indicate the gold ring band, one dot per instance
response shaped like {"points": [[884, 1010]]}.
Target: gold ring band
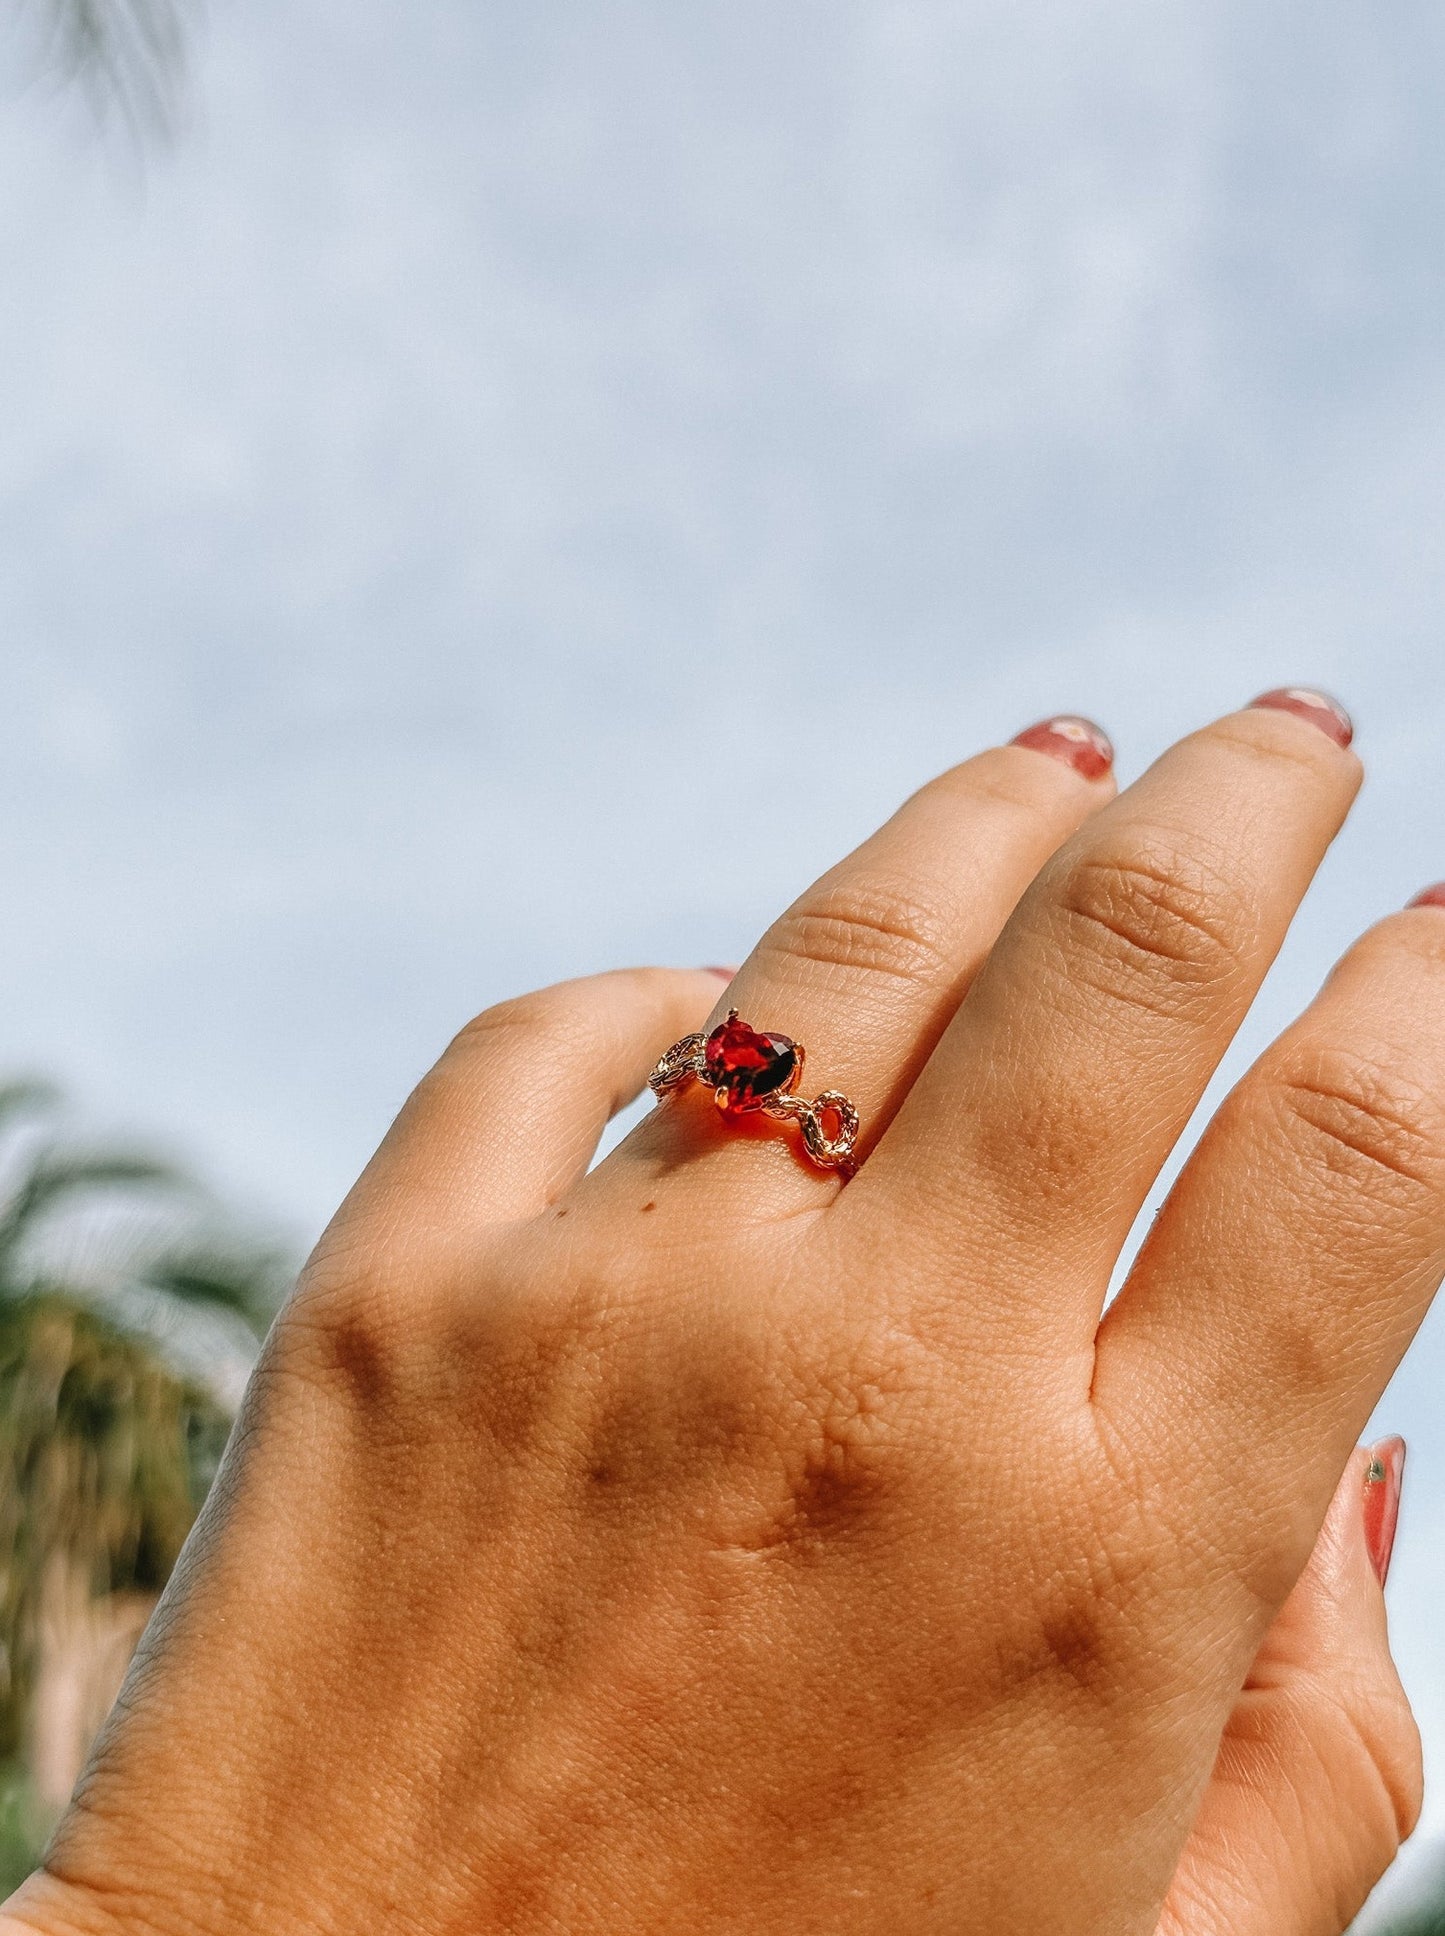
{"points": [[756, 1070]]}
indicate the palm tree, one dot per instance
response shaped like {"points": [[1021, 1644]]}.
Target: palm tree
{"points": [[118, 1222], [106, 1456], [121, 1295]]}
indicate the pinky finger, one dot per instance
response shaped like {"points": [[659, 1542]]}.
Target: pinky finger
{"points": [[1318, 1779], [511, 1115]]}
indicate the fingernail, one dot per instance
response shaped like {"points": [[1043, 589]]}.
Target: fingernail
{"points": [[1383, 1481], [1079, 743], [723, 974], [1317, 707], [1430, 896]]}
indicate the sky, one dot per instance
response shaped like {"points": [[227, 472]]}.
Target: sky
{"points": [[513, 490]]}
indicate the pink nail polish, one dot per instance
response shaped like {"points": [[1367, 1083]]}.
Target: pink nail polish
{"points": [[1430, 896], [723, 974], [1079, 743], [1317, 707], [1383, 1481]]}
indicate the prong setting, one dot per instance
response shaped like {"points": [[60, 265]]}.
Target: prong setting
{"points": [[752, 1071]]}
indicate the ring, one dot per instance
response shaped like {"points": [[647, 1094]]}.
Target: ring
{"points": [[751, 1069]]}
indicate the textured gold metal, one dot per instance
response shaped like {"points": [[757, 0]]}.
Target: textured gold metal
{"points": [[682, 1062]]}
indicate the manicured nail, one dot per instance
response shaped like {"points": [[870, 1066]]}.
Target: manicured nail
{"points": [[1079, 743], [723, 974], [1317, 707], [1430, 896], [1383, 1481]]}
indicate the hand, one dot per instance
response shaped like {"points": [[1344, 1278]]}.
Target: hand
{"points": [[702, 1545]]}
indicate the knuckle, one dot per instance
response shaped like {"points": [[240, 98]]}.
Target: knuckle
{"points": [[1093, 1570], [1070, 1643], [1349, 1116], [863, 928], [844, 1440], [568, 1019], [395, 1336], [1162, 928], [1397, 1754], [1260, 734], [352, 1327], [513, 1387], [1379, 1745], [1007, 777], [832, 1449], [1400, 958], [1079, 1636], [523, 1017], [1420, 932]]}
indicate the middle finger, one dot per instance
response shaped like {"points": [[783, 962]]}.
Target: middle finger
{"points": [[1054, 1097]]}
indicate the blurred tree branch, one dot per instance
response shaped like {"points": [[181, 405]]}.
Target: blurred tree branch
{"points": [[128, 55]]}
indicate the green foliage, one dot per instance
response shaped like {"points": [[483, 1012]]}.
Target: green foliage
{"points": [[246, 1282], [176, 1251], [108, 1443], [23, 1828], [105, 1457]]}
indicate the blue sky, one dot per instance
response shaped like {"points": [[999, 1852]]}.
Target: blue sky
{"points": [[516, 489]]}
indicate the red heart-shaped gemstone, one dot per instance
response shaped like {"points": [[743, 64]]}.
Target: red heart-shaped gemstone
{"points": [[747, 1066]]}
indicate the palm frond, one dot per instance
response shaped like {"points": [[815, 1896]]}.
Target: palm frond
{"points": [[250, 1284], [24, 1097], [56, 1178], [129, 55]]}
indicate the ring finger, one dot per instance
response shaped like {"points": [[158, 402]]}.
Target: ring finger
{"points": [[867, 968]]}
